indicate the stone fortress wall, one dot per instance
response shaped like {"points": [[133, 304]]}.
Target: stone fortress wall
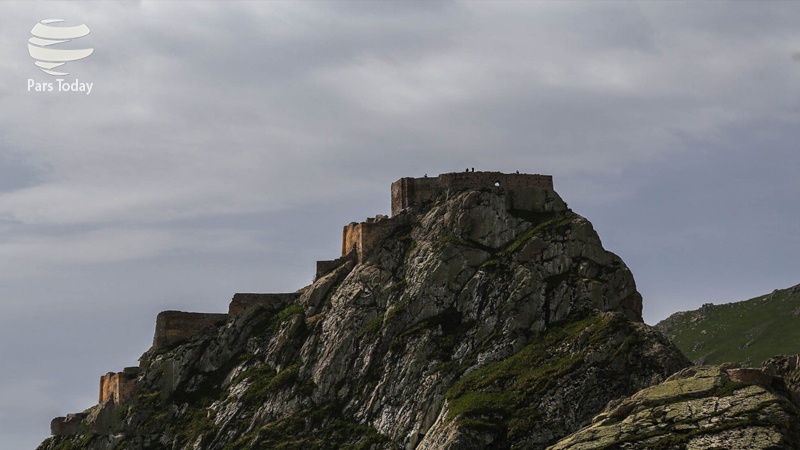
{"points": [[410, 191], [175, 326], [118, 387], [242, 302], [362, 238], [359, 240]]}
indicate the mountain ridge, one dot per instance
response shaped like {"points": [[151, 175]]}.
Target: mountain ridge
{"points": [[747, 331], [484, 314]]}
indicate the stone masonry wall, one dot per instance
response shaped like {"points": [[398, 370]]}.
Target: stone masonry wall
{"points": [[326, 267], [362, 238], [175, 326], [525, 191], [411, 191], [241, 302], [118, 387]]}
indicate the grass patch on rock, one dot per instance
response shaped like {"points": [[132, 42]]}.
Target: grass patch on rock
{"points": [[312, 429], [505, 389]]}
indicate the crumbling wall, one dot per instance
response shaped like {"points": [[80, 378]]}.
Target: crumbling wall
{"points": [[241, 302], [328, 266], [176, 326], [71, 425], [118, 387], [351, 234]]}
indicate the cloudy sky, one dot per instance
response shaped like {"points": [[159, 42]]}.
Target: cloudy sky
{"points": [[223, 146]]}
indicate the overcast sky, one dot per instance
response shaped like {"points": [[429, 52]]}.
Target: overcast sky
{"points": [[224, 145]]}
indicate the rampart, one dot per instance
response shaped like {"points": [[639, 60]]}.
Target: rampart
{"points": [[412, 191], [326, 267], [118, 387], [361, 238], [523, 191], [241, 302], [176, 326]]}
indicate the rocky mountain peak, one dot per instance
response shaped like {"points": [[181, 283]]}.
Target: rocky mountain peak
{"points": [[480, 315]]}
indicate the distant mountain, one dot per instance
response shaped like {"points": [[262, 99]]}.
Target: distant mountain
{"points": [[749, 332]]}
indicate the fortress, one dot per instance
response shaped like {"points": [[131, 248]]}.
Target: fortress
{"points": [[359, 240], [412, 191]]}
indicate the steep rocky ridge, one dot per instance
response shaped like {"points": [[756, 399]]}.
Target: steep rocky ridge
{"points": [[485, 319], [749, 331]]}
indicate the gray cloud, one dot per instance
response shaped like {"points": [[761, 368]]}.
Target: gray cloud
{"points": [[224, 144]]}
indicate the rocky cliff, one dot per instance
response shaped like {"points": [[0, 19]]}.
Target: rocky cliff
{"points": [[484, 318], [698, 408]]}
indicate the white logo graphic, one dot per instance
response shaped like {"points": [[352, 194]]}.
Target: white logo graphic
{"points": [[46, 35]]}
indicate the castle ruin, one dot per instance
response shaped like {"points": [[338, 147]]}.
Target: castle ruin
{"points": [[412, 191], [359, 240], [118, 387]]}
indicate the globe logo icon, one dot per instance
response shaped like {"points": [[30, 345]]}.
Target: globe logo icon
{"points": [[41, 46]]}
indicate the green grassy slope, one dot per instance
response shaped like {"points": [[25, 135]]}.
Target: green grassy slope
{"points": [[748, 332]]}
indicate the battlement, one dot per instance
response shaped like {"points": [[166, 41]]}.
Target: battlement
{"points": [[411, 191]]}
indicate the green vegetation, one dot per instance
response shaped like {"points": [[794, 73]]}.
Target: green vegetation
{"points": [[499, 395], [729, 388], [198, 419], [546, 222], [499, 262], [748, 332], [396, 309], [285, 313], [271, 323], [264, 380], [679, 415], [312, 429], [369, 330], [69, 442], [556, 221], [452, 328], [455, 240], [677, 437]]}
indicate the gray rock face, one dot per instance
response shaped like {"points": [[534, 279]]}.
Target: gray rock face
{"points": [[701, 408], [473, 326]]}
